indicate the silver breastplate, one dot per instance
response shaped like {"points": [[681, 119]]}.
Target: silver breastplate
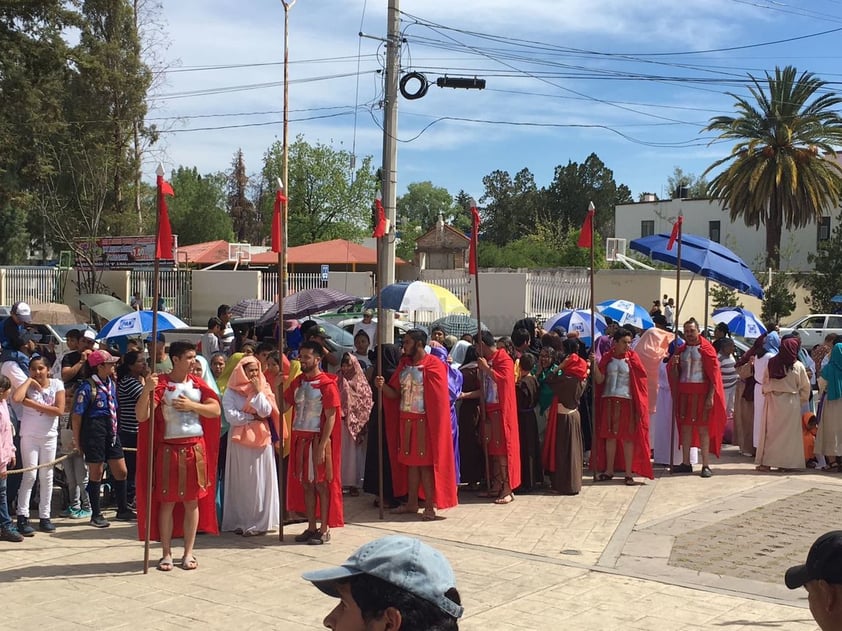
{"points": [[617, 379], [691, 369], [308, 408], [179, 424], [491, 395]]}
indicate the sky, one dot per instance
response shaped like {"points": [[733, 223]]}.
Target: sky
{"points": [[634, 82]]}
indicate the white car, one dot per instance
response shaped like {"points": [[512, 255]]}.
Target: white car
{"points": [[813, 328], [401, 326]]}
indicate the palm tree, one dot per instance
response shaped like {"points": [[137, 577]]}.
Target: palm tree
{"points": [[783, 169]]}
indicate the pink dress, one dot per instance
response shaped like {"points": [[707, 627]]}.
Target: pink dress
{"points": [[7, 447]]}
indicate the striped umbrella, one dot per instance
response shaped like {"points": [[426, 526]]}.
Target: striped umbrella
{"points": [[418, 296], [138, 323], [577, 320], [626, 312], [251, 308], [457, 324], [740, 321]]}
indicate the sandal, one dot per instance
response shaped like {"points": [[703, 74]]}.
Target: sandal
{"points": [[506, 499], [428, 515], [404, 509], [189, 563], [305, 536], [165, 564], [604, 477], [629, 481], [763, 468]]}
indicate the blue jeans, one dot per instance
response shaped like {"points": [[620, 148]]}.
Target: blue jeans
{"points": [[5, 519]]}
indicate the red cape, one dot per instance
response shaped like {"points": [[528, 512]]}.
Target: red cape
{"points": [[295, 490], [437, 405], [207, 503], [503, 371], [641, 462], [710, 365]]}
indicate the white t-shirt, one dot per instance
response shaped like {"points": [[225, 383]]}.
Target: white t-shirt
{"points": [[210, 345], [35, 424]]}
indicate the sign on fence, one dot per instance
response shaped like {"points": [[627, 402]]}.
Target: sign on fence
{"points": [[136, 252], [325, 272]]}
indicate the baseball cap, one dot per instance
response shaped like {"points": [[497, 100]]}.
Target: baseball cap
{"points": [[824, 562], [402, 561], [22, 311], [101, 357], [89, 334], [320, 331]]}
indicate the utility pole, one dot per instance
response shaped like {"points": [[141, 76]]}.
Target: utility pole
{"points": [[389, 185]]}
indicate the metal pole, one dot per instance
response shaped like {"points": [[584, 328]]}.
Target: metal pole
{"points": [[380, 323], [592, 461], [282, 262], [390, 151]]}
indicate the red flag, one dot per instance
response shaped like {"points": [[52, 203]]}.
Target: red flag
{"points": [[472, 250], [277, 234], [164, 238], [380, 226], [676, 232], [586, 235]]}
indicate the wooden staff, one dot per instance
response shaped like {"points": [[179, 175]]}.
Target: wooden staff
{"points": [[281, 198], [592, 460], [381, 322], [483, 414], [679, 228]]}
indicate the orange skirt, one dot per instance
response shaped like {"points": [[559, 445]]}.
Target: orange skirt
{"points": [[690, 409], [617, 420], [303, 462], [492, 431], [181, 472], [415, 440]]}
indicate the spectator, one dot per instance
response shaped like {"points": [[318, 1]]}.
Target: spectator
{"points": [[368, 325], [15, 324], [319, 335], [8, 532], [223, 312], [821, 575], [136, 301], [210, 342], [163, 363], [73, 367], [129, 387], [217, 364], [72, 341], [395, 582]]}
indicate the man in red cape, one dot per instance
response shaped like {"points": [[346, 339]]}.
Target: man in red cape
{"points": [[186, 447], [500, 430], [696, 383], [417, 406], [622, 412], [314, 483]]}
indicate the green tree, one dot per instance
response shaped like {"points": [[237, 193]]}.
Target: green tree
{"points": [[696, 187], [511, 206], [779, 300], [780, 172], [826, 280], [243, 212], [722, 296], [198, 210], [423, 203], [324, 203]]}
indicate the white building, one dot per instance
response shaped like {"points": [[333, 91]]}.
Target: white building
{"points": [[706, 218]]}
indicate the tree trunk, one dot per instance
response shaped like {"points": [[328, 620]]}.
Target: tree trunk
{"points": [[774, 224]]}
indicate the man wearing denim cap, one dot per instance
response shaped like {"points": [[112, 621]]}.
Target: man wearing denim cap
{"points": [[394, 582], [821, 575]]}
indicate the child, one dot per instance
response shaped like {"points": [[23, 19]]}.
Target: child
{"points": [[8, 532], [76, 474], [43, 403]]}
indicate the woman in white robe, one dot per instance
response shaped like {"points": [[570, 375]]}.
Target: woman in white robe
{"points": [[770, 348]]}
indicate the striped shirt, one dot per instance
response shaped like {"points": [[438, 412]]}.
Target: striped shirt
{"points": [[728, 368], [128, 392]]}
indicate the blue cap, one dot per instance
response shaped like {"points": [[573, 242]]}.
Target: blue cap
{"points": [[401, 561]]}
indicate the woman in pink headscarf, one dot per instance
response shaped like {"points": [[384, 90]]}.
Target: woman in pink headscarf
{"points": [[251, 505], [356, 401]]}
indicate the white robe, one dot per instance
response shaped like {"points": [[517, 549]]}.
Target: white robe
{"points": [[761, 365], [662, 422], [781, 435], [251, 501]]}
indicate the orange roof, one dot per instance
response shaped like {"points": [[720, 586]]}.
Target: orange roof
{"points": [[206, 253], [335, 252]]}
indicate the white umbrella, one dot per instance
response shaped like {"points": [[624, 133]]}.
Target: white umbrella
{"points": [[139, 323]]}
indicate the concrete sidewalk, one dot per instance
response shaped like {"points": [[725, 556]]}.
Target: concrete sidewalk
{"points": [[679, 552]]}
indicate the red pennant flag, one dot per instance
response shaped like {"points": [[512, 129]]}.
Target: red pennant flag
{"points": [[277, 228], [676, 232], [472, 250], [586, 235], [380, 227], [164, 237]]}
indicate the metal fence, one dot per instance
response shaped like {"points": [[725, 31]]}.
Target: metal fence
{"points": [[38, 284], [295, 282], [548, 290], [176, 288]]}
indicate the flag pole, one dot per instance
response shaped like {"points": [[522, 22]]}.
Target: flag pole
{"points": [[675, 320], [380, 337], [156, 293], [592, 460], [473, 266], [279, 235]]}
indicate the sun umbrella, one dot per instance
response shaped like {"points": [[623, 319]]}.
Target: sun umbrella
{"points": [[625, 312], [251, 308], [704, 257], [577, 320], [740, 321], [457, 324], [105, 306], [308, 302], [418, 296], [138, 323], [55, 313]]}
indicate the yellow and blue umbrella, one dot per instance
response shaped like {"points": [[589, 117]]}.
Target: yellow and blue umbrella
{"points": [[417, 296]]}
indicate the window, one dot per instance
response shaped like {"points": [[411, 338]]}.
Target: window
{"points": [[834, 322], [647, 227], [714, 231], [813, 322], [824, 229]]}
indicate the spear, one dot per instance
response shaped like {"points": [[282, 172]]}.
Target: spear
{"points": [[279, 245], [675, 236], [473, 268]]}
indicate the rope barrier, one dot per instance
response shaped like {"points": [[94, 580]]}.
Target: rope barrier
{"points": [[52, 463]]}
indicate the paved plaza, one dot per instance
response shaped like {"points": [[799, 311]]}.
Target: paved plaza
{"points": [[678, 552]]}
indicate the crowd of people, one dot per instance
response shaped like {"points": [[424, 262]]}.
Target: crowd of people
{"points": [[494, 417]]}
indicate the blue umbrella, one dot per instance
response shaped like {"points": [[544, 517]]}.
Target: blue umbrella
{"points": [[740, 321], [626, 312], [577, 320], [138, 323], [702, 256]]}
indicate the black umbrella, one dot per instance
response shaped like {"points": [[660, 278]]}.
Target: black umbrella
{"points": [[308, 302], [457, 324]]}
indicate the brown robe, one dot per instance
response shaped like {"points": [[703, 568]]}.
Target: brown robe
{"points": [[471, 459], [531, 471], [744, 410], [564, 451]]}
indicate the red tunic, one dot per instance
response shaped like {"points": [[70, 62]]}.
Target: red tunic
{"points": [[210, 444], [438, 433], [505, 441], [302, 442], [639, 404], [714, 419]]}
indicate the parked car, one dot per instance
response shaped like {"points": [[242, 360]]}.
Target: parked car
{"points": [[57, 333], [813, 328], [400, 327]]}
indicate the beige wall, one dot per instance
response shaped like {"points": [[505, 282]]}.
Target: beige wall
{"points": [[215, 287], [503, 297], [117, 281], [354, 283]]}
